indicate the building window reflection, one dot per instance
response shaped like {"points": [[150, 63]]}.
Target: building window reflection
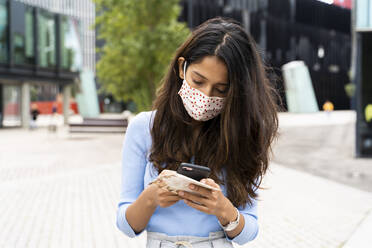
{"points": [[3, 31], [67, 52], [70, 48], [23, 34], [46, 39], [44, 92]]}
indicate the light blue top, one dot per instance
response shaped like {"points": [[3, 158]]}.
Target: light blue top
{"points": [[178, 219]]}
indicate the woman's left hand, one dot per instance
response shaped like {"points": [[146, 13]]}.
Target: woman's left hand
{"points": [[212, 201]]}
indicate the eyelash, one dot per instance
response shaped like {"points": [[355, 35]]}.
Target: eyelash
{"points": [[220, 91]]}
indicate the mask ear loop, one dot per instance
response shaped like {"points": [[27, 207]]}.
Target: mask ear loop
{"points": [[184, 70]]}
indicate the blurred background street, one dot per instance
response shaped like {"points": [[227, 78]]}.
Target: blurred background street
{"points": [[67, 196], [73, 73]]}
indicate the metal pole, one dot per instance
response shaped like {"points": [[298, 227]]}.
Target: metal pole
{"points": [[25, 103], [292, 22], [263, 28], [353, 40], [190, 13], [11, 33], [292, 10], [247, 20], [66, 102]]}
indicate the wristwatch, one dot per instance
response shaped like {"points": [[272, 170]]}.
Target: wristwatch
{"points": [[232, 224]]}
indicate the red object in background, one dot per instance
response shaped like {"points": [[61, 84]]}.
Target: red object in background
{"points": [[46, 107], [74, 107], [343, 3], [11, 109], [101, 106]]}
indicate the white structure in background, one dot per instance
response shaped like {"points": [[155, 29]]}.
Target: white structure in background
{"points": [[85, 12], [364, 15], [299, 90], [87, 99], [126, 114], [327, 1]]}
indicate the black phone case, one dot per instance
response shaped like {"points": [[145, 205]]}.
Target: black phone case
{"points": [[194, 171]]}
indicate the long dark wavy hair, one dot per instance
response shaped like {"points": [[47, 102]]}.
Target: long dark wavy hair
{"points": [[239, 139]]}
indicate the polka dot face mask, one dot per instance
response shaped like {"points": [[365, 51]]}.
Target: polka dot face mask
{"points": [[198, 105]]}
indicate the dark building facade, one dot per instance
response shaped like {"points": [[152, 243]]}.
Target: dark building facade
{"points": [[287, 30]]}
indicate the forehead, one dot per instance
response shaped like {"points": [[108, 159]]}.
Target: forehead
{"points": [[211, 67]]}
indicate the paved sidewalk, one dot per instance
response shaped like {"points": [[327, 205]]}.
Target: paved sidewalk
{"points": [[323, 145], [301, 210], [61, 190]]}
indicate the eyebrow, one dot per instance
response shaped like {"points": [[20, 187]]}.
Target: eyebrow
{"points": [[200, 75]]}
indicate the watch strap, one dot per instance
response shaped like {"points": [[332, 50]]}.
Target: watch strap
{"points": [[232, 224]]}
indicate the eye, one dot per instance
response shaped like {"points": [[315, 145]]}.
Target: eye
{"points": [[198, 83], [222, 91]]}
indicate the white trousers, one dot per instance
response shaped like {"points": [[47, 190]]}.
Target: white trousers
{"points": [[161, 240]]}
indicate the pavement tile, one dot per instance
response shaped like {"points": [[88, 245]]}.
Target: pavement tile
{"points": [[67, 197]]}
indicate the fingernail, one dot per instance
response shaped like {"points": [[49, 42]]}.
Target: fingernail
{"points": [[181, 193], [192, 186]]}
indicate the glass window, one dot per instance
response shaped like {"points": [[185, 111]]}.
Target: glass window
{"points": [[70, 48], [43, 92], [66, 52], [46, 39], [3, 31], [23, 34], [12, 105]]}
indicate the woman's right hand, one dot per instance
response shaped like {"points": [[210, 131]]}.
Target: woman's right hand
{"points": [[160, 196]]}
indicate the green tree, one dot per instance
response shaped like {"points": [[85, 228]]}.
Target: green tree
{"points": [[141, 36]]}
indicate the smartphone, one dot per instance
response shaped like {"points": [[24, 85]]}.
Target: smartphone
{"points": [[194, 171]]}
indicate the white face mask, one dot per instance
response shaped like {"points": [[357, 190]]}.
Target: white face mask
{"points": [[198, 105]]}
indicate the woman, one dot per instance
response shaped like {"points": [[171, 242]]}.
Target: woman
{"points": [[215, 108]]}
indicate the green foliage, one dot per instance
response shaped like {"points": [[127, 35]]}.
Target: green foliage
{"points": [[350, 89], [141, 36]]}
